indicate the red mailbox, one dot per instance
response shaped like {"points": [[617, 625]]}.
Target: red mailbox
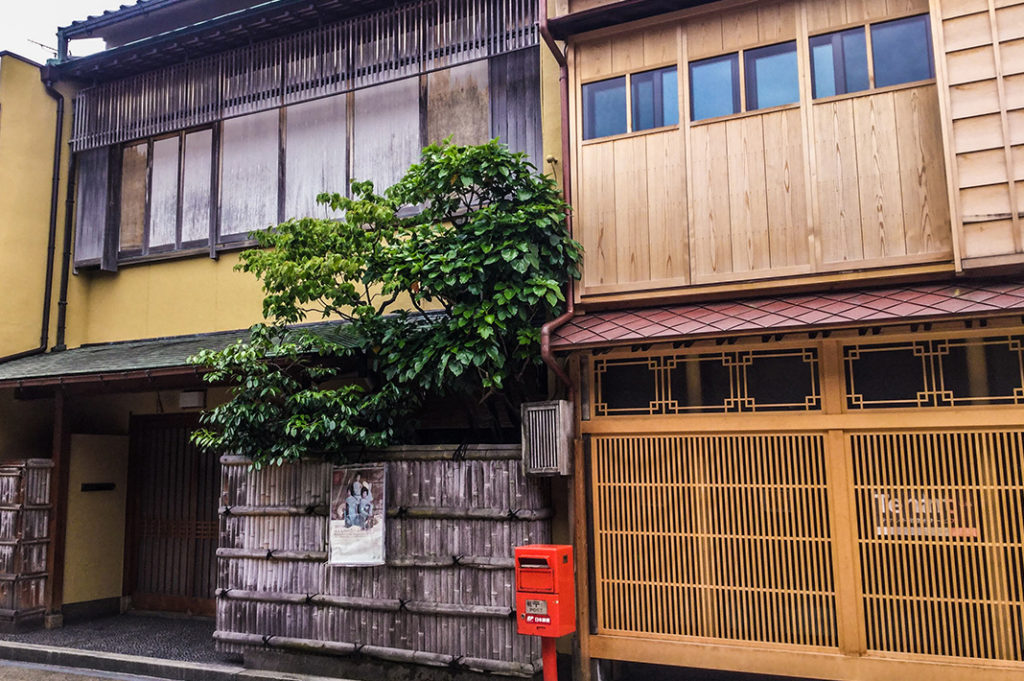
{"points": [[545, 596]]}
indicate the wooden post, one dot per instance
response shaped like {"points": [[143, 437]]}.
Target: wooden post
{"points": [[58, 513]]}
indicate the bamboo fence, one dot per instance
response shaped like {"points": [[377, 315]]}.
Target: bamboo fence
{"points": [[445, 596]]}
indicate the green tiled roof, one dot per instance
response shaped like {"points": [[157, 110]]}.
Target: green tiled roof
{"points": [[139, 355]]}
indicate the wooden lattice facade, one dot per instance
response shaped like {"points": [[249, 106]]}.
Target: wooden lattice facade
{"points": [[828, 505]]}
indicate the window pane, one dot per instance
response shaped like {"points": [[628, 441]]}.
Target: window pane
{"points": [[655, 96], [714, 87], [386, 135], [839, 63], [626, 387], [133, 196], [771, 76], [902, 50], [604, 108], [163, 221], [91, 204], [195, 201], [249, 150], [315, 154]]}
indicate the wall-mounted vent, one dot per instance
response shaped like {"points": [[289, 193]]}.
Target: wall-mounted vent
{"points": [[547, 438]]}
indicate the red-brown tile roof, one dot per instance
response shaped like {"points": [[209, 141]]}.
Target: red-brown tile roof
{"points": [[793, 312]]}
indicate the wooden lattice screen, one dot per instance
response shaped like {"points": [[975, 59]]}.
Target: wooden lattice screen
{"points": [[941, 537], [395, 43], [720, 537]]}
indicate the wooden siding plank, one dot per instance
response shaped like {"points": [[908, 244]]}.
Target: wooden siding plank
{"points": [[515, 102], [956, 8], [776, 21], [249, 173], [382, 141], [922, 172], [594, 58], [978, 133], [786, 189], [969, 31], [628, 52], [970, 65], [878, 172], [982, 167], [1010, 22], [704, 37], [974, 99], [597, 201], [739, 28], [666, 207], [710, 249], [748, 209], [1012, 54], [313, 166], [632, 226], [660, 45], [837, 182]]}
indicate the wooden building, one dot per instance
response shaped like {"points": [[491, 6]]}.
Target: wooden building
{"points": [[797, 341]]}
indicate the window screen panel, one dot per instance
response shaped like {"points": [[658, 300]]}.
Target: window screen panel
{"points": [[91, 204], [249, 173], [386, 132], [839, 63], [655, 98], [458, 105], [771, 75], [604, 108], [315, 154], [902, 51], [196, 186], [163, 222], [715, 87], [134, 171]]}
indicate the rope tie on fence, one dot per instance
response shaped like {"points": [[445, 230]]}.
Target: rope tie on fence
{"points": [[311, 509], [513, 513], [457, 560], [401, 512], [270, 554], [460, 452], [456, 662], [309, 598], [227, 510], [401, 605], [266, 640]]}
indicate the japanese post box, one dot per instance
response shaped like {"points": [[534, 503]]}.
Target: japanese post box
{"points": [[545, 590]]}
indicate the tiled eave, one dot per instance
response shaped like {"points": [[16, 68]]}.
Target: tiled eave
{"points": [[920, 303]]}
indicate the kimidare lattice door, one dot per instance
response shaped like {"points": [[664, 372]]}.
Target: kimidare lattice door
{"points": [[713, 536], [940, 530]]}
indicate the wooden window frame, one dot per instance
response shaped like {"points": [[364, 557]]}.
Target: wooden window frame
{"points": [[628, 80]]}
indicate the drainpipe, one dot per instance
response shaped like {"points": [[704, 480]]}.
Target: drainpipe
{"points": [[51, 245], [65, 264], [563, 81]]}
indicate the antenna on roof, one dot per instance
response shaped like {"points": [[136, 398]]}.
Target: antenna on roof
{"points": [[45, 47]]}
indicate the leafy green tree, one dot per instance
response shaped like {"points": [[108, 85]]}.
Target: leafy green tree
{"points": [[443, 281]]}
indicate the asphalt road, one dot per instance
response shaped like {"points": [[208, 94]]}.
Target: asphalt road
{"points": [[18, 671]]}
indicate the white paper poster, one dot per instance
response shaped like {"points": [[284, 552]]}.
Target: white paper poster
{"points": [[357, 515]]}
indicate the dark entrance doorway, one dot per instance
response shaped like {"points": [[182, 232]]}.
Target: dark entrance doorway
{"points": [[171, 557]]}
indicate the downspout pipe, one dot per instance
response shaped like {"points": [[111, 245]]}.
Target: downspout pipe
{"points": [[570, 289], [51, 244], [65, 265]]}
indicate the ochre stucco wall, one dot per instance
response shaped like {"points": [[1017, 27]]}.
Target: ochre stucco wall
{"points": [[94, 558], [27, 119]]}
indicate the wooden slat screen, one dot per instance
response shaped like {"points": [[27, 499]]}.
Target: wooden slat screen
{"points": [[941, 537], [713, 536], [388, 45]]}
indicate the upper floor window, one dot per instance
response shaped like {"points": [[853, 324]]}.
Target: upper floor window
{"points": [[901, 52], [770, 79], [653, 97]]}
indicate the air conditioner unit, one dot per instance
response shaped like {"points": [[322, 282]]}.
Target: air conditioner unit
{"points": [[547, 438]]}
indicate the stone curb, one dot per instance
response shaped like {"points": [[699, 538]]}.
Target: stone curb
{"points": [[172, 670]]}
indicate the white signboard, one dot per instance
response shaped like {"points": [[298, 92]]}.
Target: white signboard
{"points": [[357, 515]]}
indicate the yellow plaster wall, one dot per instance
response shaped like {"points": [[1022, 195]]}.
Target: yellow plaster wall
{"points": [[94, 558], [168, 298], [27, 120]]}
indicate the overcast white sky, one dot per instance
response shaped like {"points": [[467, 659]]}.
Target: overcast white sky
{"points": [[28, 20]]}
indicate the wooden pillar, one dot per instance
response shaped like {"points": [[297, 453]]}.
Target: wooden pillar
{"points": [[58, 512]]}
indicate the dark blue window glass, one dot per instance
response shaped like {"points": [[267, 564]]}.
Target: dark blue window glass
{"points": [[902, 50], [771, 75], [839, 63], [655, 98], [715, 87], [604, 108]]}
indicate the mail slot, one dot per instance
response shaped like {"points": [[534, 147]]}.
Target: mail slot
{"points": [[545, 590]]}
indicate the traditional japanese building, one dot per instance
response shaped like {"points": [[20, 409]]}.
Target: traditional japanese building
{"points": [[797, 343]]}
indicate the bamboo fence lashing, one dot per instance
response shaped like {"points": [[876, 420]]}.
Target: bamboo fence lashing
{"points": [[388, 45], [24, 540], [446, 593]]}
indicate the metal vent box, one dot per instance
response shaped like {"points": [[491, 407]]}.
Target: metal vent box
{"points": [[547, 438]]}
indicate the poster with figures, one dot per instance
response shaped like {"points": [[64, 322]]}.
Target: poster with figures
{"points": [[357, 515]]}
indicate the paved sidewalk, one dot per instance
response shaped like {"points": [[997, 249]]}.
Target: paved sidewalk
{"points": [[169, 638]]}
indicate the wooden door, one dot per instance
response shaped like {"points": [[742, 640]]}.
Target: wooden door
{"points": [[171, 557]]}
